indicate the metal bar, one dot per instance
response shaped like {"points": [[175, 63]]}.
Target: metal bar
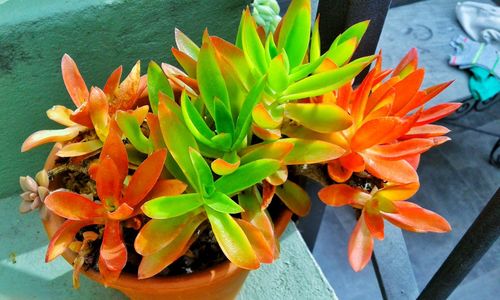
{"points": [[392, 266], [336, 16], [469, 250]]}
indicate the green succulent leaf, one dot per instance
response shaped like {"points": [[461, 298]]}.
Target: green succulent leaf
{"points": [[194, 121], [210, 80], [186, 45], [132, 130], [320, 117], [222, 203], [223, 118], [278, 74], [245, 117], [171, 206], [270, 48], [246, 176], [157, 82], [223, 141], [355, 31], [342, 53], [294, 197], [232, 240], [315, 49], [324, 82], [295, 31], [252, 46], [178, 140], [203, 172]]}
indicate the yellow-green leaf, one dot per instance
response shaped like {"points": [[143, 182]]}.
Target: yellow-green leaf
{"points": [[157, 82], [171, 206], [222, 203], [320, 117], [232, 240], [294, 197], [311, 151]]}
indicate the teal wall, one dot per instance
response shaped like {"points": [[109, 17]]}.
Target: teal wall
{"points": [[99, 35]]}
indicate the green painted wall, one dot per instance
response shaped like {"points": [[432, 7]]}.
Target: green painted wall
{"points": [[99, 35]]}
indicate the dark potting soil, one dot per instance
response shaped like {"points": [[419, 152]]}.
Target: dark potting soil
{"points": [[203, 253]]}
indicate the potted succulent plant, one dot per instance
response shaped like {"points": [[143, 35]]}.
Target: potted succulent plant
{"points": [[165, 183]]}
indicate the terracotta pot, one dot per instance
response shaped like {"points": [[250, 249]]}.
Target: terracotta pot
{"points": [[222, 281]]}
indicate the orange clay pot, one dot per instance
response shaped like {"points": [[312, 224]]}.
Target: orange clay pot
{"points": [[220, 282]]}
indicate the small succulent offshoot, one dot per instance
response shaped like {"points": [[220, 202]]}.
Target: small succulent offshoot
{"points": [[34, 193]]}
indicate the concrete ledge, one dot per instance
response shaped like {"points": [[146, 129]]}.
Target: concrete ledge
{"points": [[25, 275]]}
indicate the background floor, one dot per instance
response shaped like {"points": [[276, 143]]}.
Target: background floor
{"points": [[456, 178]]}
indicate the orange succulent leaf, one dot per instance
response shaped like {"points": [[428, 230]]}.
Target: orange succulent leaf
{"points": [[380, 93], [374, 131], [144, 178], [414, 161], [63, 237], [107, 274], [375, 224], [115, 149], [407, 88], [266, 134], [73, 80], [402, 149], [337, 172], [399, 171], [128, 91], [437, 112], [426, 131], [113, 252], [155, 135], [82, 116], [263, 250], [398, 192], [99, 112], [166, 187], [113, 81], [360, 246], [223, 167], [158, 233], [412, 217], [74, 206], [359, 101], [268, 191], [49, 136], [155, 263], [108, 183], [353, 161], [186, 61], [124, 211], [408, 64], [343, 194], [423, 97]]}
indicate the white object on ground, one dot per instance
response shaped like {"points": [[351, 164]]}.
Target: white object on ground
{"points": [[481, 21]]}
